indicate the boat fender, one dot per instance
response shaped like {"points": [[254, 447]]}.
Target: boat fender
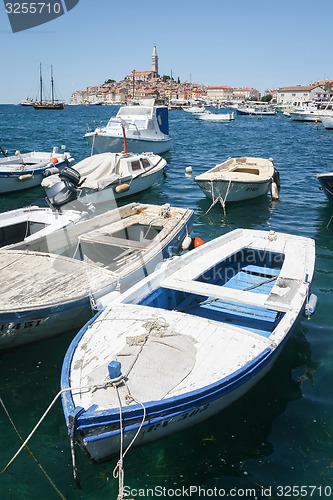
{"points": [[54, 161], [186, 243], [276, 178], [311, 305], [25, 177], [106, 299], [122, 188], [114, 368], [51, 170], [274, 191], [196, 242]]}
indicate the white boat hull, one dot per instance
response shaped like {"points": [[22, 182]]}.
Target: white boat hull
{"points": [[327, 121], [235, 191], [104, 143], [110, 193], [16, 175], [216, 117], [305, 117]]}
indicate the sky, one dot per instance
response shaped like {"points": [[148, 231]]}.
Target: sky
{"points": [[255, 43]]}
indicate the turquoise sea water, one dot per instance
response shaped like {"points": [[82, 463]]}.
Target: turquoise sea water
{"points": [[280, 434]]}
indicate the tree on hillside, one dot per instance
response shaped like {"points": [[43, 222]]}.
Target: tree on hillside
{"points": [[267, 98]]}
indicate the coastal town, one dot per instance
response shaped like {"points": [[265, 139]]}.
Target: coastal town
{"points": [[149, 84]]}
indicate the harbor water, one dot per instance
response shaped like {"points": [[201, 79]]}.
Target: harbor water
{"points": [[275, 440]]}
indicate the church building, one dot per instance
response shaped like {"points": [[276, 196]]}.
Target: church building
{"points": [[146, 75]]}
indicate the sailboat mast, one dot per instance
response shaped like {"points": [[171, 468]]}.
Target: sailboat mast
{"points": [[52, 88], [40, 83]]}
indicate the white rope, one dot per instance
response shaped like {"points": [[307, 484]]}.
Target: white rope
{"points": [[118, 471], [329, 222], [219, 199], [88, 387], [223, 200], [31, 453]]}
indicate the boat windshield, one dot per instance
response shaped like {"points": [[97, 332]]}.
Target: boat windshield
{"points": [[132, 111]]}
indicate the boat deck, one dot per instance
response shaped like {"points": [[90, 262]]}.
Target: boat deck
{"points": [[31, 280], [162, 354]]}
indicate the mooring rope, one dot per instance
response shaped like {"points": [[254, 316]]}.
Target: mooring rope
{"points": [[118, 471], [219, 199], [30, 452]]}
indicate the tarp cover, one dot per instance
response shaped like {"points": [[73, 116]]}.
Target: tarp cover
{"points": [[97, 170]]}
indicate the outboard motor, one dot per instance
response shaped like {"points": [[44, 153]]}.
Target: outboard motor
{"points": [[66, 190]]}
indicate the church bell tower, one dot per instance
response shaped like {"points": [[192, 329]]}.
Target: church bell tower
{"points": [[154, 61]]}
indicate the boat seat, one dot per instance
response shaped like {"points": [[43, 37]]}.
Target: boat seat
{"points": [[106, 239], [225, 293], [261, 271], [259, 320]]}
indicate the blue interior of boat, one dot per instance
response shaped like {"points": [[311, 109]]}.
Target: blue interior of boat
{"points": [[247, 271]]}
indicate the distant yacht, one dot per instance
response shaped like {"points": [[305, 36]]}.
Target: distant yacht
{"points": [[29, 101]]}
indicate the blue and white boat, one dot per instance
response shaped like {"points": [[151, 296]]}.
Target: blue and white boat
{"points": [[29, 223], [26, 170], [326, 184], [186, 342], [146, 129], [56, 283]]}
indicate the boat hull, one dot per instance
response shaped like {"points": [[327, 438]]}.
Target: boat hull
{"points": [[105, 143], [327, 121], [234, 191], [326, 182], [19, 177], [216, 117], [305, 117], [102, 442], [137, 185]]}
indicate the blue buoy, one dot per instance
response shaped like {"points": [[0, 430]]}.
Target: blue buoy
{"points": [[114, 368]]}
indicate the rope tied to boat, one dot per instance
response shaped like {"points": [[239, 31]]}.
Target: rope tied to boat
{"points": [[118, 471], [28, 449], [220, 199]]}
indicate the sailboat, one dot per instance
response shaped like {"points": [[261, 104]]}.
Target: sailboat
{"points": [[44, 104]]}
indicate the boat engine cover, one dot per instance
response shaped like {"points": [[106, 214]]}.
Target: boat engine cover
{"points": [[61, 193]]}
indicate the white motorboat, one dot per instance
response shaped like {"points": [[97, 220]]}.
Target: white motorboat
{"points": [[146, 129], [26, 170], [216, 117], [309, 111], [186, 342], [29, 223], [256, 108], [194, 109], [55, 283], [104, 177], [238, 179]]}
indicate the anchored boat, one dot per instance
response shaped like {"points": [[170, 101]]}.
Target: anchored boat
{"points": [[55, 283], [186, 342], [238, 179]]}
